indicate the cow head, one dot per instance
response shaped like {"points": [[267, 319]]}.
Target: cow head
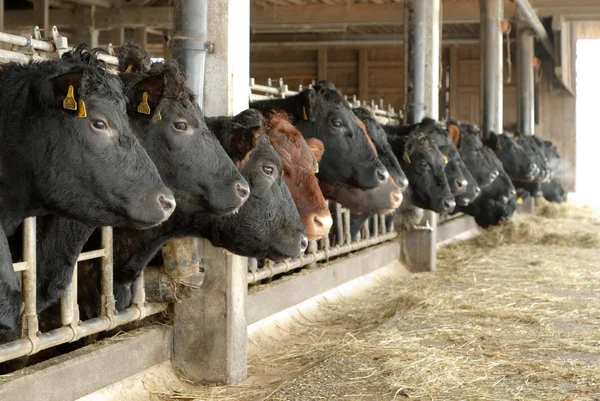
{"points": [[515, 161], [171, 127], [300, 162]]}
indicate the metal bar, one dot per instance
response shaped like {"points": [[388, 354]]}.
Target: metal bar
{"points": [[190, 23], [347, 237], [283, 267], [8, 56], [351, 43], [68, 302], [339, 225], [99, 253], [63, 335], [24, 41], [525, 81], [492, 13], [533, 20], [107, 303], [375, 232]]}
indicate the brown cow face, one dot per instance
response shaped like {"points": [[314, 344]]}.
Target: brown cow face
{"points": [[300, 160]]}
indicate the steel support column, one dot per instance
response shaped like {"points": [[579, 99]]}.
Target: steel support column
{"points": [[190, 26], [525, 81], [421, 89], [491, 87], [210, 342]]}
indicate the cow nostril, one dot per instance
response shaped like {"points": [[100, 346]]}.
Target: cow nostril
{"points": [[477, 190], [403, 184], [242, 191], [449, 204], [167, 203], [303, 243], [322, 222], [495, 174], [512, 193], [533, 167], [382, 175], [504, 199]]}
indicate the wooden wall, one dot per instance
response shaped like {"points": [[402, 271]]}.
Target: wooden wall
{"points": [[378, 73]]}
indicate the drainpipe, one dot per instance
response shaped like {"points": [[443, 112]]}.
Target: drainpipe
{"points": [[525, 80], [189, 41], [491, 87]]}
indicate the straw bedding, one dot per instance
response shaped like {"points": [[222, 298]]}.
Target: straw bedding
{"points": [[513, 314]]}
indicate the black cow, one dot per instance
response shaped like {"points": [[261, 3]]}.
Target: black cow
{"points": [[467, 139], [515, 161], [536, 153], [187, 155], [322, 113], [553, 190], [424, 165], [67, 148], [462, 184], [497, 201], [384, 199]]}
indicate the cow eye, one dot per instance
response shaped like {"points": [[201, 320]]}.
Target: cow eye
{"points": [[423, 164], [336, 123], [268, 170], [180, 125], [99, 126]]}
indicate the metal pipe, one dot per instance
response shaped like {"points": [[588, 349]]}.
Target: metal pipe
{"points": [[190, 24], [24, 41], [339, 225], [107, 304], [528, 13], [352, 43], [422, 59], [30, 321], [525, 81], [22, 347], [491, 87], [283, 267]]}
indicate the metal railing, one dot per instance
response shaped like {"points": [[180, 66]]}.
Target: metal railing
{"points": [[374, 230], [384, 114], [26, 48]]}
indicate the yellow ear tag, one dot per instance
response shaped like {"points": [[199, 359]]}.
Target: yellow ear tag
{"points": [[82, 112], [69, 102], [445, 159], [129, 68], [304, 113], [317, 168], [159, 117], [407, 158], [498, 147], [516, 138], [519, 201], [144, 107]]}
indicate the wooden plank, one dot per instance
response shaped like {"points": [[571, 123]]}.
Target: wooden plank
{"points": [[264, 302], [363, 74], [73, 375], [140, 37], [322, 63], [117, 36]]}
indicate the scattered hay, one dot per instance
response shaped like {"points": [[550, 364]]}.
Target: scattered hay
{"points": [[512, 314]]}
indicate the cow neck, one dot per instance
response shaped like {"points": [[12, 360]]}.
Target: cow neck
{"points": [[135, 248], [60, 241]]}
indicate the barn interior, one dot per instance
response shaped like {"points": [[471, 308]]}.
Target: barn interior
{"points": [[360, 45]]}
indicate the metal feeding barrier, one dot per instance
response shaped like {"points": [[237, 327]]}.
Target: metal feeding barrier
{"points": [[374, 231], [26, 48], [384, 115]]}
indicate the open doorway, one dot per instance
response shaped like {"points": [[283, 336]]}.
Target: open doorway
{"points": [[588, 121]]}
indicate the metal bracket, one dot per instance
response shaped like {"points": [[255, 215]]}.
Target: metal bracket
{"points": [[60, 42], [194, 44]]}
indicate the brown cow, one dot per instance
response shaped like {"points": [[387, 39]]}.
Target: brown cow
{"points": [[300, 160]]}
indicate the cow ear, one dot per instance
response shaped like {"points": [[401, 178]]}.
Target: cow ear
{"points": [[249, 119], [133, 58], [66, 89], [454, 132], [306, 105], [244, 140], [316, 147], [147, 93]]}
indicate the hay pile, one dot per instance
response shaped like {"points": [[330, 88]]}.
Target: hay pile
{"points": [[511, 315]]}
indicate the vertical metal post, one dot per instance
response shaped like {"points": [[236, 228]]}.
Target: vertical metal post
{"points": [[491, 87], [190, 20], [1, 15], [525, 80], [422, 59], [42, 15], [210, 340], [30, 319], [421, 93]]}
